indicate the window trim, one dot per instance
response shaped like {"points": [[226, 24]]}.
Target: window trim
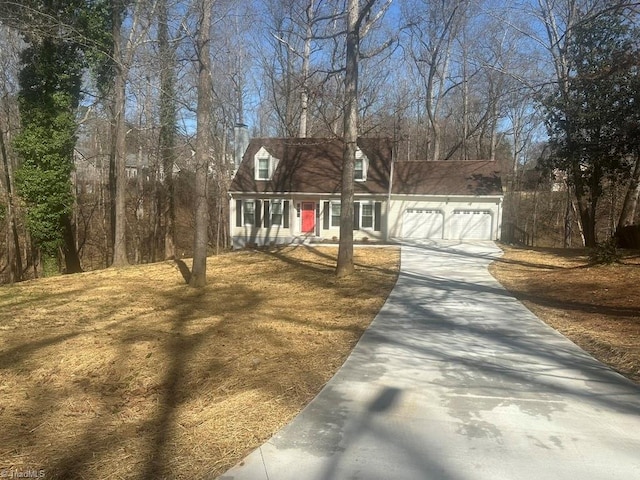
{"points": [[272, 164], [332, 216], [272, 202], [259, 170], [361, 177], [376, 215], [361, 157], [245, 213], [372, 216]]}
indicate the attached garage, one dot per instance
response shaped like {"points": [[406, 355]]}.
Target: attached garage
{"points": [[471, 225], [422, 224]]}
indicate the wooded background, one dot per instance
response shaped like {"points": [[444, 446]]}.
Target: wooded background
{"points": [[117, 117]]}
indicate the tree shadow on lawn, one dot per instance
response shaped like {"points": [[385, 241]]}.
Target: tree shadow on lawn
{"points": [[327, 262], [183, 347], [104, 428], [100, 439]]}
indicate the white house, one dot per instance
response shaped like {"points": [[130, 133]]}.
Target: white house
{"points": [[288, 190]]}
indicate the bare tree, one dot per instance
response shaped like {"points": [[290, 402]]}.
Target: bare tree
{"points": [[119, 153], [124, 50], [8, 62], [297, 61], [356, 28], [203, 144], [434, 27], [14, 258], [167, 140]]}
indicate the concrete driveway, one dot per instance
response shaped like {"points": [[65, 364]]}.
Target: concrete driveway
{"points": [[455, 379]]}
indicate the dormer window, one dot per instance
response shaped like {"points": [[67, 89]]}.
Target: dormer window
{"points": [[360, 172], [263, 168], [265, 164]]}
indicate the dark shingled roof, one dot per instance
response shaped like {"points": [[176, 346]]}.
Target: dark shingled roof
{"points": [[477, 177], [314, 165]]}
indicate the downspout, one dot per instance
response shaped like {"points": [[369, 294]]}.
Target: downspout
{"points": [[391, 171], [499, 222], [232, 216]]}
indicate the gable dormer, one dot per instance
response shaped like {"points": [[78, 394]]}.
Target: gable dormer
{"points": [[264, 164], [362, 165]]}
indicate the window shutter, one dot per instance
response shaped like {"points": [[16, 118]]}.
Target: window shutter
{"points": [[285, 214], [326, 216], [238, 213], [267, 218], [377, 216], [356, 215], [258, 211]]}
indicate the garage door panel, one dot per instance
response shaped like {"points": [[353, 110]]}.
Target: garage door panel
{"points": [[471, 224], [422, 224]]}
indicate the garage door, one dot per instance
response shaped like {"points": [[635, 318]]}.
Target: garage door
{"points": [[471, 224], [420, 223]]}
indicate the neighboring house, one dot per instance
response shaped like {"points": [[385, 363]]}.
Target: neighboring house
{"points": [[288, 190]]}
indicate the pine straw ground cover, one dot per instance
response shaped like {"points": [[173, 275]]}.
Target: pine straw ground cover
{"points": [[595, 306], [129, 373]]}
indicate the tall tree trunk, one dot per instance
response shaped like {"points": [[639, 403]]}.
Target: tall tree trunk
{"points": [[587, 213], [119, 144], [71, 258], [203, 133], [465, 101], [166, 202], [306, 57], [436, 132], [14, 257], [568, 220], [345, 250]]}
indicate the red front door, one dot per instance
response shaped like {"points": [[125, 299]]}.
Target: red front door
{"points": [[308, 217]]}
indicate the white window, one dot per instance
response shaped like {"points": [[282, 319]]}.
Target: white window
{"points": [[263, 168], [249, 212], [366, 214], [264, 165], [276, 212], [335, 214], [360, 172]]}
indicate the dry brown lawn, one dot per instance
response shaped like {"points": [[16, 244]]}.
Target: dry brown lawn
{"points": [[128, 373], [595, 306]]}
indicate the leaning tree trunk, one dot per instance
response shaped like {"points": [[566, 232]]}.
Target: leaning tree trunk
{"points": [[345, 250], [630, 205], [203, 144]]}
